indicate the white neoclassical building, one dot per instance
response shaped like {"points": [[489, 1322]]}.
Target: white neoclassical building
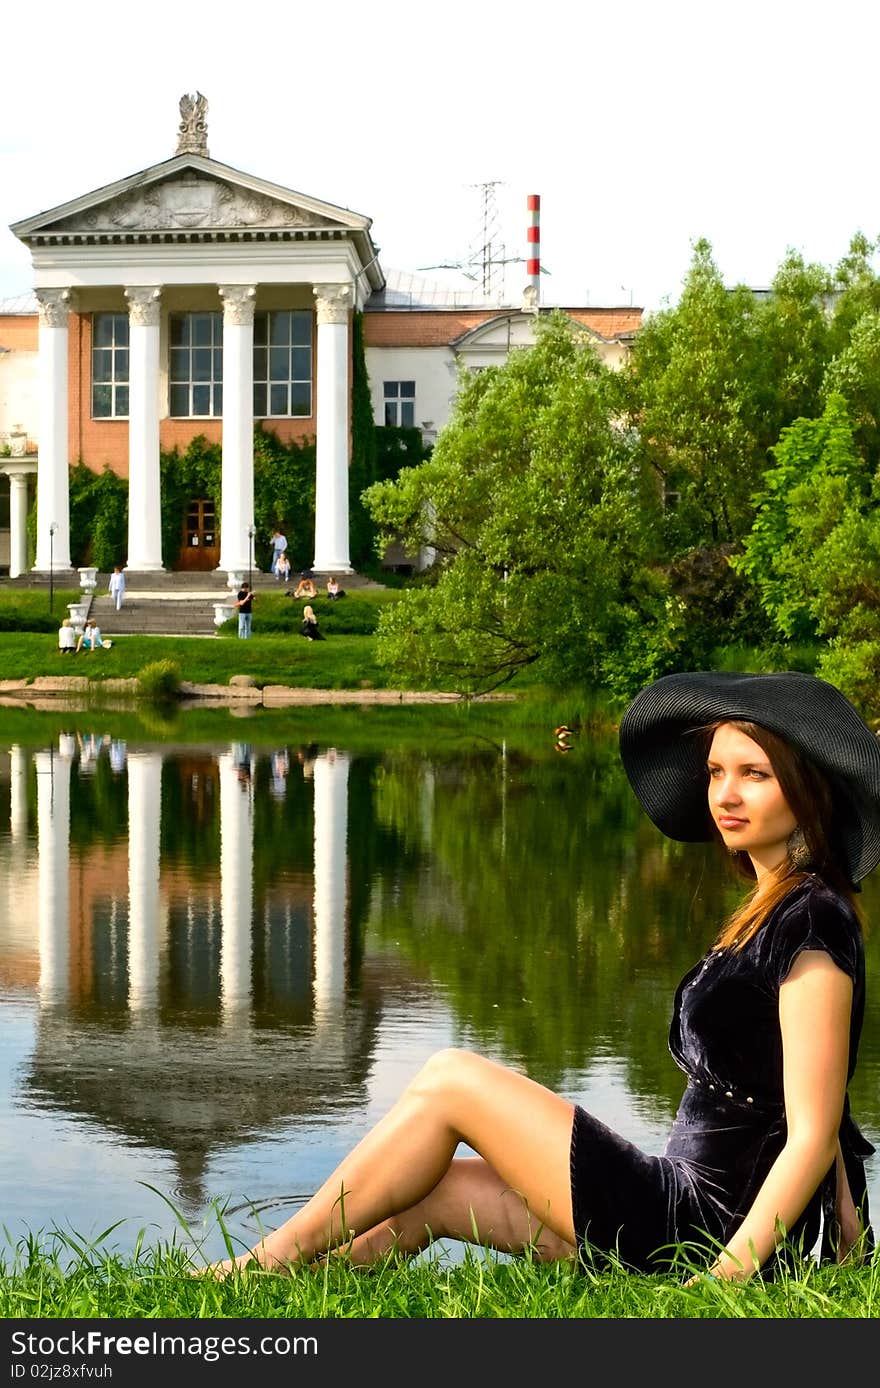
{"points": [[191, 294], [193, 299]]}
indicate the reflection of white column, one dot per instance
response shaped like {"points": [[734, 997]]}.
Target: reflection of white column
{"points": [[333, 302], [18, 864], [331, 881], [144, 818], [237, 460], [18, 810], [144, 509], [53, 504], [236, 883], [53, 888]]}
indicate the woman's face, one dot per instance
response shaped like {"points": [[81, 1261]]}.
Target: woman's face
{"points": [[746, 800]]}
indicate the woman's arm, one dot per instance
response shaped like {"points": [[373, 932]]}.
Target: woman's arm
{"points": [[815, 1002]]}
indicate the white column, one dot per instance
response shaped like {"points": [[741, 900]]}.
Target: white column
{"points": [[144, 819], [144, 502], [237, 467], [334, 303], [53, 503], [236, 883], [330, 775], [53, 885], [18, 509]]}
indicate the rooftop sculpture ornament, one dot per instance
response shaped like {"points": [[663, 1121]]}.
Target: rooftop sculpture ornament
{"points": [[193, 129]]}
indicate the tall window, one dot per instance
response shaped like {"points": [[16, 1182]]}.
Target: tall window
{"points": [[196, 364], [400, 404], [283, 363], [110, 366]]}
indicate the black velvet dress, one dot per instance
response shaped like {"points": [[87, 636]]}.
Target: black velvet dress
{"points": [[730, 1126]]}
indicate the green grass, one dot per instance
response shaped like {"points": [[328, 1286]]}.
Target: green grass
{"points": [[276, 654], [27, 609], [61, 1277], [357, 614], [345, 662]]}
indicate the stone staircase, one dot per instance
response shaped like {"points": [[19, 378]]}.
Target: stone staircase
{"points": [[182, 604], [167, 604]]}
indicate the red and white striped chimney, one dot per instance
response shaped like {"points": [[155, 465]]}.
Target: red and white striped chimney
{"points": [[533, 236]]}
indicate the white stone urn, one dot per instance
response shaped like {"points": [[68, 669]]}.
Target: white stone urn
{"points": [[223, 611], [18, 441], [88, 578], [78, 612]]}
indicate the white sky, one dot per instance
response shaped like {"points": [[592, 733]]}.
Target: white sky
{"points": [[641, 125]]}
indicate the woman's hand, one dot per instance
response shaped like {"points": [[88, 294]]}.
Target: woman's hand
{"points": [[848, 1223]]}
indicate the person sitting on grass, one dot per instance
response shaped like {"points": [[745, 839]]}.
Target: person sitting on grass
{"points": [[91, 638], [764, 1161], [333, 589], [305, 588], [66, 637], [310, 625]]}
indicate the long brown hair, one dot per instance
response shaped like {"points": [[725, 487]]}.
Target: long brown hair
{"points": [[810, 800]]}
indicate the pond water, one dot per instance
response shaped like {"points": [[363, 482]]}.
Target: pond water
{"points": [[226, 947]]}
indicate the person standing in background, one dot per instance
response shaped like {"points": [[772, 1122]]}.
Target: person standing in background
{"points": [[244, 601], [116, 586], [279, 545]]}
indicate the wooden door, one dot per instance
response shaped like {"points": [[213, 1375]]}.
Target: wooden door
{"points": [[201, 541]]}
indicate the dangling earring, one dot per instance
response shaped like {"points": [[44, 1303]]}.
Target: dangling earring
{"points": [[799, 854]]}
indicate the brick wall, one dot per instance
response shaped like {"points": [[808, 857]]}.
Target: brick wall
{"points": [[18, 331], [101, 443], [437, 327]]}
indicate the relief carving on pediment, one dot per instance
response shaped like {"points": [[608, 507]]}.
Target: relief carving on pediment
{"points": [[189, 203]]}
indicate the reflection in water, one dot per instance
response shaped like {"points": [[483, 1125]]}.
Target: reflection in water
{"points": [[330, 779], [236, 882], [53, 819], [144, 909], [220, 963]]}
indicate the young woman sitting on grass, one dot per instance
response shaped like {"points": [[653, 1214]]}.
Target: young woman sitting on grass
{"points": [[764, 1161], [310, 624]]}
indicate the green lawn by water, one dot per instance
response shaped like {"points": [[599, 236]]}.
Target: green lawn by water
{"points": [[340, 662], [277, 653], [40, 1280]]}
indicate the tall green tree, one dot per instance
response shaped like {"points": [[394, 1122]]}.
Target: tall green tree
{"points": [[690, 389], [542, 531], [815, 477], [853, 374], [814, 551], [710, 384]]}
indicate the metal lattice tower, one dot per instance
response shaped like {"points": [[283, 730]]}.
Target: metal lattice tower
{"points": [[486, 258], [485, 261]]}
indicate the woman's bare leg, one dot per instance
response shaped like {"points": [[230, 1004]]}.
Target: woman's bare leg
{"points": [[470, 1204], [521, 1129]]}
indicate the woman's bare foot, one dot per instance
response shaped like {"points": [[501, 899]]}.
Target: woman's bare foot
{"points": [[255, 1260]]}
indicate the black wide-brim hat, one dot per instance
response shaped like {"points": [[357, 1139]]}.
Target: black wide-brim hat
{"points": [[666, 761]]}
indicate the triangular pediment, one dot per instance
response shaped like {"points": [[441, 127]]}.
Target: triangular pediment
{"points": [[507, 330], [190, 192], [500, 333]]}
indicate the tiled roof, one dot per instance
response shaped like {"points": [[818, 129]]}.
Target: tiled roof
{"points": [[19, 303]]}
